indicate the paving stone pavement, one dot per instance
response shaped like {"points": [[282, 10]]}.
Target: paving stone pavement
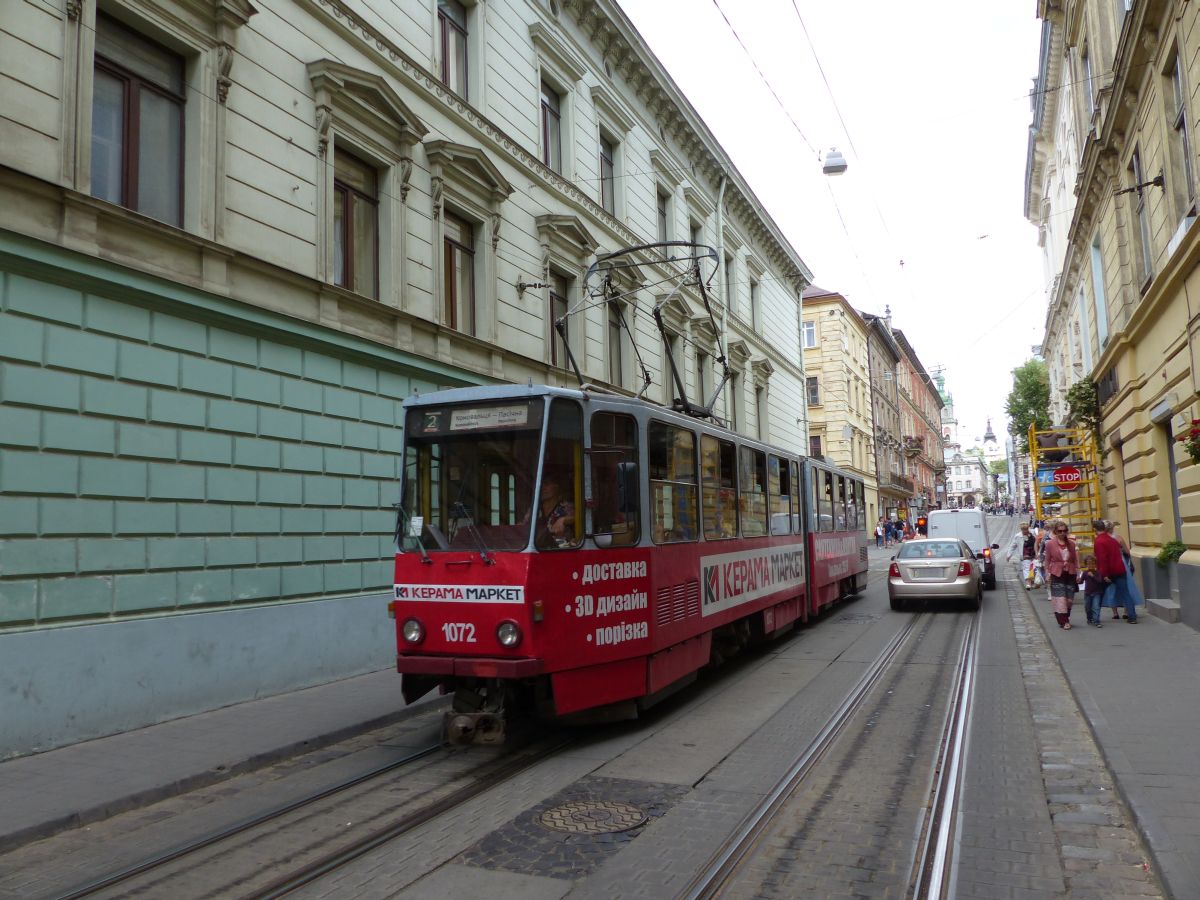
{"points": [[1102, 853]]}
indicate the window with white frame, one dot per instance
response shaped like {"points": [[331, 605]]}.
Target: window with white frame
{"points": [[459, 277], [1181, 149], [560, 290], [616, 367], [1142, 211], [809, 332], [730, 290], [452, 39], [812, 388], [1101, 300], [137, 123], [355, 224], [703, 375], [755, 306], [814, 445], [733, 401], [608, 156], [551, 127], [662, 214], [760, 413]]}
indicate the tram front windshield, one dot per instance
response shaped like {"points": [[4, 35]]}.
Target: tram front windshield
{"points": [[468, 476]]}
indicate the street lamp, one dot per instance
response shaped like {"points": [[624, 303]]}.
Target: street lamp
{"points": [[834, 163]]}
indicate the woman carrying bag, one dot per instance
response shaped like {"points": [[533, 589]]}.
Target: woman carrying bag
{"points": [[1062, 570]]}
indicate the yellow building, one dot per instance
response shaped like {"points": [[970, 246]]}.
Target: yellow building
{"points": [[838, 388], [1113, 153]]}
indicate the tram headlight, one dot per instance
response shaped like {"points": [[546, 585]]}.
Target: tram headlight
{"points": [[412, 631], [508, 634]]}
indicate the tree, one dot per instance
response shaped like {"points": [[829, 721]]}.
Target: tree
{"points": [[1083, 407], [1029, 401], [998, 467]]}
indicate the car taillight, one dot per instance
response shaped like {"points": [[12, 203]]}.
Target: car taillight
{"points": [[964, 568], [894, 571], [987, 552]]}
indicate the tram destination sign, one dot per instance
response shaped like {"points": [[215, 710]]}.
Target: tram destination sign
{"points": [[484, 417]]}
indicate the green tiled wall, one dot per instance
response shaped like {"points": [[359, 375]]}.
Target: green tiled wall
{"points": [[153, 462]]}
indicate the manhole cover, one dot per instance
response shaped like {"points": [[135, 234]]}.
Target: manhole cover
{"points": [[592, 817]]}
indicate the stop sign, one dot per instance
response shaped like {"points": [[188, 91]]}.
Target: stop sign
{"points": [[1067, 478]]}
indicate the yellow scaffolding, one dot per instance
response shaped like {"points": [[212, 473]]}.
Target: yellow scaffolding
{"points": [[1067, 475]]}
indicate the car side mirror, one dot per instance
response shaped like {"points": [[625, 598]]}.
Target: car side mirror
{"points": [[995, 546], [980, 555]]}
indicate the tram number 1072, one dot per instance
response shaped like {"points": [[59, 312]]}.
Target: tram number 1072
{"points": [[459, 632]]}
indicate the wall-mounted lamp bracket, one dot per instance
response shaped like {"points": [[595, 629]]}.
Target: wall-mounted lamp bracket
{"points": [[1157, 181], [523, 286]]}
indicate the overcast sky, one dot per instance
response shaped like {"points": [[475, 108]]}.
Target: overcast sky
{"points": [[935, 103]]}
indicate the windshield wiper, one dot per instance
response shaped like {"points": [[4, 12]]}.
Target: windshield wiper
{"points": [[403, 531], [459, 511]]}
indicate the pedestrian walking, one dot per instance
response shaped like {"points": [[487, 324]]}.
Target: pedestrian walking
{"points": [[1062, 569], [1112, 569], [1093, 590], [1023, 542], [1130, 581], [879, 533]]}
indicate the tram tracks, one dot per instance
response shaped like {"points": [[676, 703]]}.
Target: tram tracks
{"points": [[736, 867], [210, 865]]}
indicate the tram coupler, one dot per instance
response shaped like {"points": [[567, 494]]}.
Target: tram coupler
{"points": [[462, 729]]}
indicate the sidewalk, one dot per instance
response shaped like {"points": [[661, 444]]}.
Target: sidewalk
{"points": [[82, 783], [1137, 686]]}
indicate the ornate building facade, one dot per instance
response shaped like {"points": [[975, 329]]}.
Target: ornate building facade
{"points": [[1112, 187], [235, 235], [838, 375]]}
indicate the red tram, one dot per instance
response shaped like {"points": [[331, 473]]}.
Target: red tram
{"points": [[573, 552]]}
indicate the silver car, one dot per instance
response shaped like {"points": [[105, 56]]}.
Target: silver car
{"points": [[935, 569]]}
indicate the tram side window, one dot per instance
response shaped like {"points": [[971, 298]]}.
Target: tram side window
{"points": [[752, 490], [797, 497], [779, 482], [614, 479], [558, 524], [839, 505], [672, 453], [856, 506], [718, 469], [825, 510]]}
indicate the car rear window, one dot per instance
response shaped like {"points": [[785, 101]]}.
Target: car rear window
{"points": [[927, 549]]}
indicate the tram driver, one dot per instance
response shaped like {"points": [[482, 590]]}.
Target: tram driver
{"points": [[555, 513]]}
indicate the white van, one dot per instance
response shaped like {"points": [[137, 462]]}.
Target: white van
{"points": [[969, 525]]}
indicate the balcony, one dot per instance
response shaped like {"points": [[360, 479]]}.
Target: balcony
{"points": [[898, 482], [914, 445]]}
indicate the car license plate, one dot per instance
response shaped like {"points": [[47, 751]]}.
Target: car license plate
{"points": [[929, 574]]}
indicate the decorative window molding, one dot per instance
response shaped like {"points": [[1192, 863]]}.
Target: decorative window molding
{"points": [[472, 184], [566, 65], [365, 108], [699, 206], [566, 243], [738, 353], [676, 314], [762, 371], [611, 111], [666, 170], [566, 246], [361, 111], [703, 331]]}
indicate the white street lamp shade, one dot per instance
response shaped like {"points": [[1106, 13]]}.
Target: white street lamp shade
{"points": [[835, 163]]}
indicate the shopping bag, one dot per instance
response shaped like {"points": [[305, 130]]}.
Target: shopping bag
{"points": [[1039, 576]]}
